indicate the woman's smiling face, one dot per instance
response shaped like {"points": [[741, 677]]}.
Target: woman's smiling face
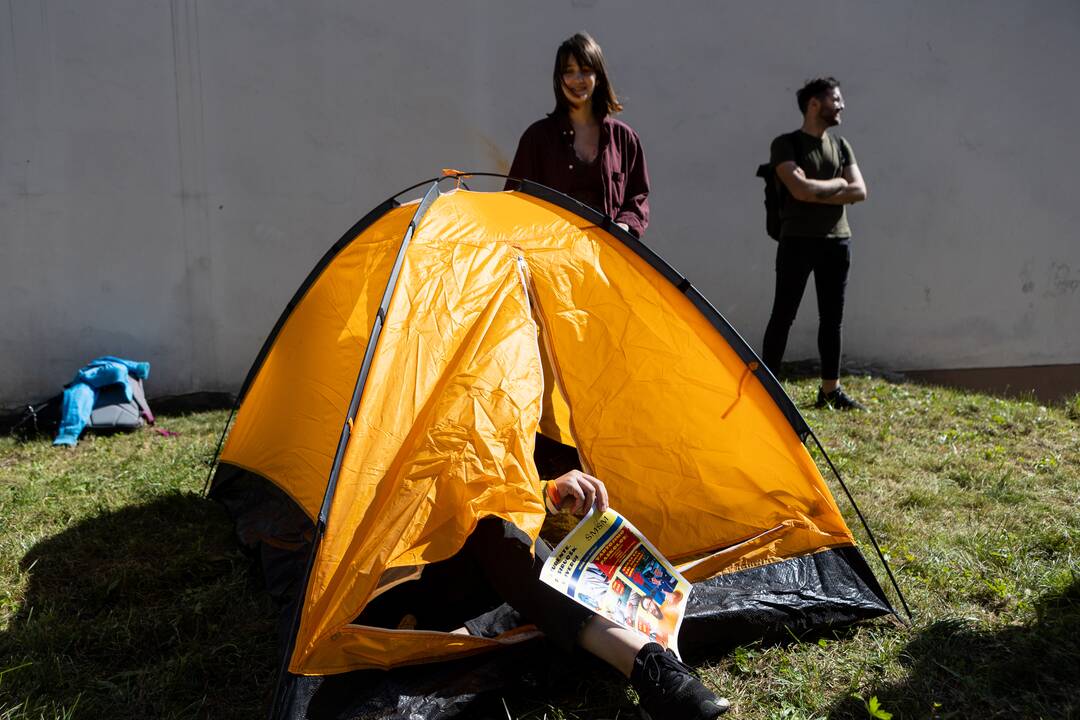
{"points": [[578, 82]]}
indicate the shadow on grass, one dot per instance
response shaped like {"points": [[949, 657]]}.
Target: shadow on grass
{"points": [[145, 612], [152, 612], [957, 671]]}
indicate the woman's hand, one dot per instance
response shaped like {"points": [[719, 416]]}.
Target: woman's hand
{"points": [[583, 490]]}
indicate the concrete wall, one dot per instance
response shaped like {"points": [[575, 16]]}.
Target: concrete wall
{"points": [[170, 172]]}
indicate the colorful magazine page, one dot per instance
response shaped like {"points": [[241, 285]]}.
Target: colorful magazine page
{"points": [[606, 565]]}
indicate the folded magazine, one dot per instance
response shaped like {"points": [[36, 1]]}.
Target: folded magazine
{"points": [[606, 565]]}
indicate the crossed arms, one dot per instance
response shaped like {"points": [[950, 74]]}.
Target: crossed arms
{"points": [[849, 188]]}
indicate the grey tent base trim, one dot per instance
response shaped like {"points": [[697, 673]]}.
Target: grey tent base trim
{"points": [[772, 603], [830, 591], [781, 601]]}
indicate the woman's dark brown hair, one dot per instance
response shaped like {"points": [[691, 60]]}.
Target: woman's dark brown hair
{"points": [[588, 54]]}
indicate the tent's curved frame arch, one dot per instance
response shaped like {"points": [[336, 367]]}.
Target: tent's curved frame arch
{"points": [[718, 321]]}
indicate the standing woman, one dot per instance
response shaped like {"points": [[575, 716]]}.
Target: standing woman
{"points": [[580, 149]]}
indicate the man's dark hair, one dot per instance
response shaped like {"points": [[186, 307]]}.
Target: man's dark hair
{"points": [[816, 88]]}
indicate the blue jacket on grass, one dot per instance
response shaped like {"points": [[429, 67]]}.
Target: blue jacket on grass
{"points": [[82, 391]]}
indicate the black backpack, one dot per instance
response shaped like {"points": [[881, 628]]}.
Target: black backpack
{"points": [[772, 200], [40, 420], [776, 194]]}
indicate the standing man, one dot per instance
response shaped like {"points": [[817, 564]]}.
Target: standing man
{"points": [[819, 173]]}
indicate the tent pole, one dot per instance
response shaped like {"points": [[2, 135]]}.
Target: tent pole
{"points": [[866, 526], [346, 433], [221, 441]]}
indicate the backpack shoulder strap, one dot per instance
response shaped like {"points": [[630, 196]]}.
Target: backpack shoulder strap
{"points": [[793, 138], [768, 169], [841, 151]]}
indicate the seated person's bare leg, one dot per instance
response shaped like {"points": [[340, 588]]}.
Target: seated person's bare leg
{"points": [[614, 644]]}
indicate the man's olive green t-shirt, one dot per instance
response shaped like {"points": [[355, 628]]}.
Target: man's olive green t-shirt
{"points": [[820, 159]]}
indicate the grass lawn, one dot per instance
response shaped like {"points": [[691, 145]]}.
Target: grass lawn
{"points": [[123, 594]]}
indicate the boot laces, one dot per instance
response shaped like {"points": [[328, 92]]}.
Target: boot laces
{"points": [[655, 664]]}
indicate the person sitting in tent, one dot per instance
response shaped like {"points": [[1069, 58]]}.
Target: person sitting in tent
{"points": [[665, 686]]}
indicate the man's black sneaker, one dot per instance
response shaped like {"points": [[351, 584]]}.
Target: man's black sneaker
{"points": [[837, 400], [669, 690]]}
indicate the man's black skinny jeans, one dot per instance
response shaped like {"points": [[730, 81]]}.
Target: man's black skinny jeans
{"points": [[796, 257]]}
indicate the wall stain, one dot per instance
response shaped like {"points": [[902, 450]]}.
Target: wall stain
{"points": [[969, 143], [1027, 284], [1063, 281], [499, 161]]}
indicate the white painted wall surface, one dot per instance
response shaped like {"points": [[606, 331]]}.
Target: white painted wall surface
{"points": [[170, 171]]}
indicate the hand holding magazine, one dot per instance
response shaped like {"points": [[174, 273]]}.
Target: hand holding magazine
{"points": [[608, 566]]}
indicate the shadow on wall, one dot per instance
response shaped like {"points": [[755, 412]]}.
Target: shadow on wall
{"points": [[957, 671], [1045, 383], [1050, 384], [145, 612]]}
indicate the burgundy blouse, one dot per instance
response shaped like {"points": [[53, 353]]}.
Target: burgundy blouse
{"points": [[616, 183]]}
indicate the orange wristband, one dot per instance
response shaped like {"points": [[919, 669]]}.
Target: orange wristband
{"points": [[552, 500]]}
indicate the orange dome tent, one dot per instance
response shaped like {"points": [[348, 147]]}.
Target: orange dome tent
{"points": [[397, 401]]}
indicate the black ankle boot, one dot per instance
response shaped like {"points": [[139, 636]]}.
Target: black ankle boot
{"points": [[668, 690]]}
